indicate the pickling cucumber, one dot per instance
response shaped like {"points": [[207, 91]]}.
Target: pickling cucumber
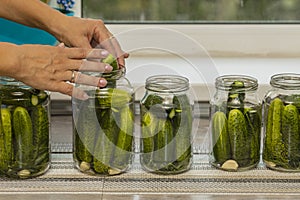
{"points": [[112, 61], [106, 142], [220, 138], [23, 134], [290, 134], [276, 150], [6, 148], [164, 150], [253, 121], [149, 123], [182, 131], [236, 96], [85, 128], [239, 138], [123, 149], [111, 81], [112, 97], [40, 125]]}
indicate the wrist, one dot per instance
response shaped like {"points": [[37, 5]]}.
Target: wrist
{"points": [[9, 59]]}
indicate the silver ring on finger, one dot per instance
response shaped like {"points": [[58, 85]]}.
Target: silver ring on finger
{"points": [[73, 76]]}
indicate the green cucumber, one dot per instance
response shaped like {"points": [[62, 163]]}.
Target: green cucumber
{"points": [[274, 148], [182, 130], [290, 134], [163, 154], [267, 151], [106, 142], [85, 132], [220, 138], [123, 149], [152, 100], [236, 96], [112, 97], [253, 121], [40, 126], [23, 135], [239, 137], [6, 148], [112, 61], [149, 123]]}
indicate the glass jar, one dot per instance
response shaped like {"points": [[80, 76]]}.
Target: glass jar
{"points": [[166, 125], [103, 127], [282, 123], [235, 123], [24, 138]]}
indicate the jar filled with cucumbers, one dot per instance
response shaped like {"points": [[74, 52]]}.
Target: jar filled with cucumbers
{"points": [[166, 125], [235, 123], [282, 123], [24, 130], [103, 125]]}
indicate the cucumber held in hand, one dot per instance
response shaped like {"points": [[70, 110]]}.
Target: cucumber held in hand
{"points": [[111, 60]]}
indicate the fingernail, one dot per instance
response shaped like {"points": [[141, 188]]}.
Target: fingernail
{"points": [[104, 53], [102, 82], [85, 96], [108, 68]]}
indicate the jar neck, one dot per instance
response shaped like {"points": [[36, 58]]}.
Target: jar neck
{"points": [[7, 81], [288, 81], [167, 84], [240, 83]]}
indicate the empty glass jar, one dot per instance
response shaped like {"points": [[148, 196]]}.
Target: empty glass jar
{"points": [[235, 123], [103, 126], [24, 133], [282, 123], [166, 125]]}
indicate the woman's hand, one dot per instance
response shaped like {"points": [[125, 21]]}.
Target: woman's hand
{"points": [[87, 33], [54, 68]]}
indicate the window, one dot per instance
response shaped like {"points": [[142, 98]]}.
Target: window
{"points": [[193, 11], [254, 37]]}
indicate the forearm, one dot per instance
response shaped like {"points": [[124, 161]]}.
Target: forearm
{"points": [[8, 59], [33, 13]]}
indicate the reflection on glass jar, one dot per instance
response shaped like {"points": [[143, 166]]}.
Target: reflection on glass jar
{"points": [[103, 127], [166, 125], [24, 138], [281, 131], [235, 123]]}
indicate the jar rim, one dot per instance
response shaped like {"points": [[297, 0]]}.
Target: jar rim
{"points": [[167, 83], [225, 82], [285, 81]]}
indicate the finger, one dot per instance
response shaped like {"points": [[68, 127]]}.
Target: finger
{"points": [[79, 53], [95, 66], [70, 90], [90, 80], [117, 51]]}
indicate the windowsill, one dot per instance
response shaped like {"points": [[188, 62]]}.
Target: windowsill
{"points": [[138, 69]]}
